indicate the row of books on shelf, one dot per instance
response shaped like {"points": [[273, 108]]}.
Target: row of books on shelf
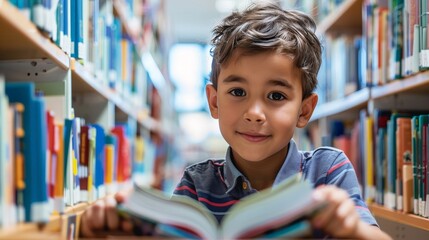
{"points": [[389, 151], [394, 44], [90, 32], [47, 163], [400, 142], [318, 9], [341, 72], [396, 39]]}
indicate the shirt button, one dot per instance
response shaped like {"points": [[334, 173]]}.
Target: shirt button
{"points": [[244, 185]]}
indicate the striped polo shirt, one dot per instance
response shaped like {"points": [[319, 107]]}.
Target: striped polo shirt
{"points": [[218, 184]]}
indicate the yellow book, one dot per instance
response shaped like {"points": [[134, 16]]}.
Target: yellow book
{"points": [[369, 161], [59, 204]]}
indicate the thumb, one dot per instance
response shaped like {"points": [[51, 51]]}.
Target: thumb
{"points": [[121, 196]]}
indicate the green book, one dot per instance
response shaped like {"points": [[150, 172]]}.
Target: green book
{"points": [[283, 210], [414, 150]]}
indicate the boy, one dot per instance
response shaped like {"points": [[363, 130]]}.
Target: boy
{"points": [[265, 64]]}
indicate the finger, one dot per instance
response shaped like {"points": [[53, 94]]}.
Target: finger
{"points": [[122, 195], [344, 221], [127, 226], [322, 217], [333, 197], [112, 216], [85, 230], [96, 216]]}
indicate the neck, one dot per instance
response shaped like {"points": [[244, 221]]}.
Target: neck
{"points": [[261, 174]]}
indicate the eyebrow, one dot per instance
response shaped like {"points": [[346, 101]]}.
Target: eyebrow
{"points": [[281, 83], [273, 82], [233, 78]]}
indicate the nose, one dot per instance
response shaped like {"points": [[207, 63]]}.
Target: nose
{"points": [[255, 113]]}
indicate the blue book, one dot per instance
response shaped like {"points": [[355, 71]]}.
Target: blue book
{"points": [[74, 28], [297, 229], [71, 165], [99, 158], [79, 31], [35, 146], [68, 125], [66, 40]]}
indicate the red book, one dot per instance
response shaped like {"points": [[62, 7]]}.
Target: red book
{"points": [[84, 158], [51, 153], [124, 162]]}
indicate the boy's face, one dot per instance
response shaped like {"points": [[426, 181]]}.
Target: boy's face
{"points": [[259, 103]]}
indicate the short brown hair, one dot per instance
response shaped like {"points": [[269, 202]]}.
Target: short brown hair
{"points": [[267, 27]]}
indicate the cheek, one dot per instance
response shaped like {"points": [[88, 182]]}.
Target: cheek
{"points": [[285, 118]]}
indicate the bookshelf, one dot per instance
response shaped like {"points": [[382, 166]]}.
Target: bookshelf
{"points": [[400, 217], [415, 84], [20, 39], [71, 88], [343, 108], [405, 93], [347, 16]]}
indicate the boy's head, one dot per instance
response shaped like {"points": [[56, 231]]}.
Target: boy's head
{"points": [[265, 27], [264, 73]]}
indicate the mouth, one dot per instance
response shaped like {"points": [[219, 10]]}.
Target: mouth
{"points": [[253, 137]]}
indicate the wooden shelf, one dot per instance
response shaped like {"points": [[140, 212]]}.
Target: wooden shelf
{"points": [[341, 107], [84, 82], [418, 83], [400, 217], [20, 39], [50, 230], [347, 17]]}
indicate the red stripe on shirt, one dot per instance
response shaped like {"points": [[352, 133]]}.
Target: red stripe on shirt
{"points": [[224, 204], [363, 208], [337, 166], [187, 189]]}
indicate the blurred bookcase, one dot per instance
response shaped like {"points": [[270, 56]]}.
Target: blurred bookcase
{"points": [[374, 67], [107, 74]]}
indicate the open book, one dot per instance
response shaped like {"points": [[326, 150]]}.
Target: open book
{"points": [[282, 211]]}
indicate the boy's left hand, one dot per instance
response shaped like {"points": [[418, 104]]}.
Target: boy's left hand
{"points": [[339, 218]]}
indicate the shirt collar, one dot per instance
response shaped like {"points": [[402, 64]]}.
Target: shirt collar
{"points": [[291, 166]]}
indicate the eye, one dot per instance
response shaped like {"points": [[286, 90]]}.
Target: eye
{"points": [[276, 96], [237, 92]]}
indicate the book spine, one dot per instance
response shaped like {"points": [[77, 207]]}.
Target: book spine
{"points": [[414, 128], [83, 164]]}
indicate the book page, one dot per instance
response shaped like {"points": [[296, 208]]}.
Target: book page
{"points": [[269, 209], [178, 211]]}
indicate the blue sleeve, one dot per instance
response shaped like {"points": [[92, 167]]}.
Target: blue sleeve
{"points": [[186, 187], [342, 174]]}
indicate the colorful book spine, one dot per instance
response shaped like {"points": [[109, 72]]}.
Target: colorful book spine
{"points": [[403, 154], [369, 161], [416, 177], [35, 193], [60, 171], [19, 182], [92, 194], [84, 163], [110, 163], [100, 165], [124, 162]]}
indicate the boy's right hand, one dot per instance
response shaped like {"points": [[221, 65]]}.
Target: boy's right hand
{"points": [[102, 218]]}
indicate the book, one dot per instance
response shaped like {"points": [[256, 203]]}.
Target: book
{"points": [[277, 211], [35, 194]]}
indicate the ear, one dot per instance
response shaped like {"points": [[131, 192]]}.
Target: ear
{"points": [[211, 93], [307, 107]]}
